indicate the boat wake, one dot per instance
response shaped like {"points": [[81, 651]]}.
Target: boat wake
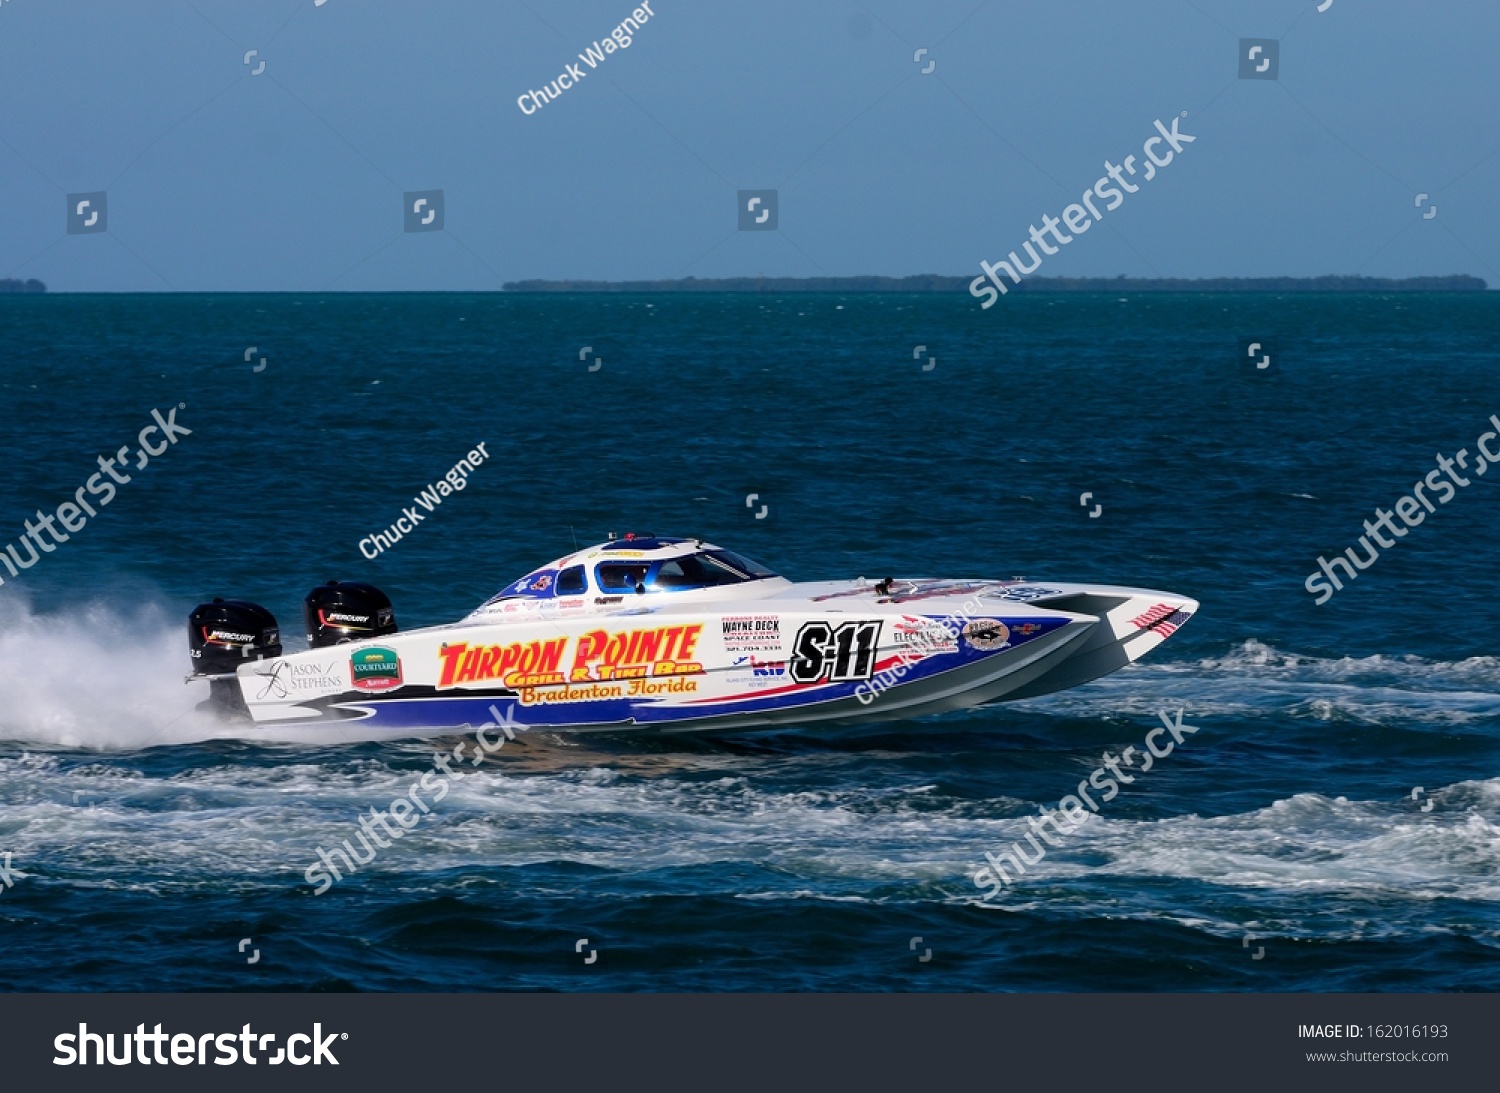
{"points": [[94, 677], [1256, 681]]}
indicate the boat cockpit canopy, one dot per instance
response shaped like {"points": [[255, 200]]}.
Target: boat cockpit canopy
{"points": [[620, 568]]}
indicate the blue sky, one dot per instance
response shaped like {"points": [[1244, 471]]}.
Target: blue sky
{"points": [[294, 179]]}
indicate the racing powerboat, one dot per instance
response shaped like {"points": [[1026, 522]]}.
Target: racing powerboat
{"points": [[675, 635]]}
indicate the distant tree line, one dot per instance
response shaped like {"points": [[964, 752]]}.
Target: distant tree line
{"points": [[11, 284]]}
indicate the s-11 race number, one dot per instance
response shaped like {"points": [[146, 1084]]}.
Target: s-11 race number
{"points": [[823, 653]]}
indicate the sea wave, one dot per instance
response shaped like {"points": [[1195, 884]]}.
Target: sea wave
{"points": [[1257, 680], [258, 823]]}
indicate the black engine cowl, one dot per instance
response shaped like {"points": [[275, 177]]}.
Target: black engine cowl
{"points": [[341, 611], [224, 634]]}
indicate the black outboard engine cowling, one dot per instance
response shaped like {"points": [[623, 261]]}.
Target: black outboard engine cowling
{"points": [[341, 611], [226, 633]]}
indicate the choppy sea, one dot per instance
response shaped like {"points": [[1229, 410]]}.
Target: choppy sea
{"points": [[1334, 823]]}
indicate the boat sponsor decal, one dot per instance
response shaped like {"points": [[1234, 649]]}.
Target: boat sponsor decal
{"points": [[284, 677], [1025, 629], [752, 633], [923, 636], [1022, 593], [763, 673], [608, 599], [516, 664], [533, 584], [227, 637], [375, 669], [384, 617], [822, 653], [632, 654], [1163, 618], [986, 634], [602, 692]]}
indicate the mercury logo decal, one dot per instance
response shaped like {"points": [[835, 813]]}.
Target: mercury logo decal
{"points": [[340, 619], [226, 637], [375, 669]]}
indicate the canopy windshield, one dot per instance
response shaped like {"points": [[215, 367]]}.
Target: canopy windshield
{"points": [[705, 569]]}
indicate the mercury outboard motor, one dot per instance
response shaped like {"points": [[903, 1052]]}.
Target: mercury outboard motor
{"points": [[341, 611], [224, 634]]}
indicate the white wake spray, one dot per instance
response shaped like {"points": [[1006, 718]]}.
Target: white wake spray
{"points": [[96, 678]]}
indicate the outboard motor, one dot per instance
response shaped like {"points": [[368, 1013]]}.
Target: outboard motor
{"points": [[224, 634], [341, 611]]}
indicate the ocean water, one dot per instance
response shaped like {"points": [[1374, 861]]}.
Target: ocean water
{"points": [[1334, 823]]}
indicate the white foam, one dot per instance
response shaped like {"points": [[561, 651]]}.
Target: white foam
{"points": [[96, 677], [106, 824]]}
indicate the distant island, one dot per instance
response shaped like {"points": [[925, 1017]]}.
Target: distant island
{"points": [[932, 282], [11, 284]]}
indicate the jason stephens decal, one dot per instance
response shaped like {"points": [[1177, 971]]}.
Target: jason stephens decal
{"points": [[284, 676]]}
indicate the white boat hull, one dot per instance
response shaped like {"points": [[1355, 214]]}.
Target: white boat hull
{"points": [[778, 655]]}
